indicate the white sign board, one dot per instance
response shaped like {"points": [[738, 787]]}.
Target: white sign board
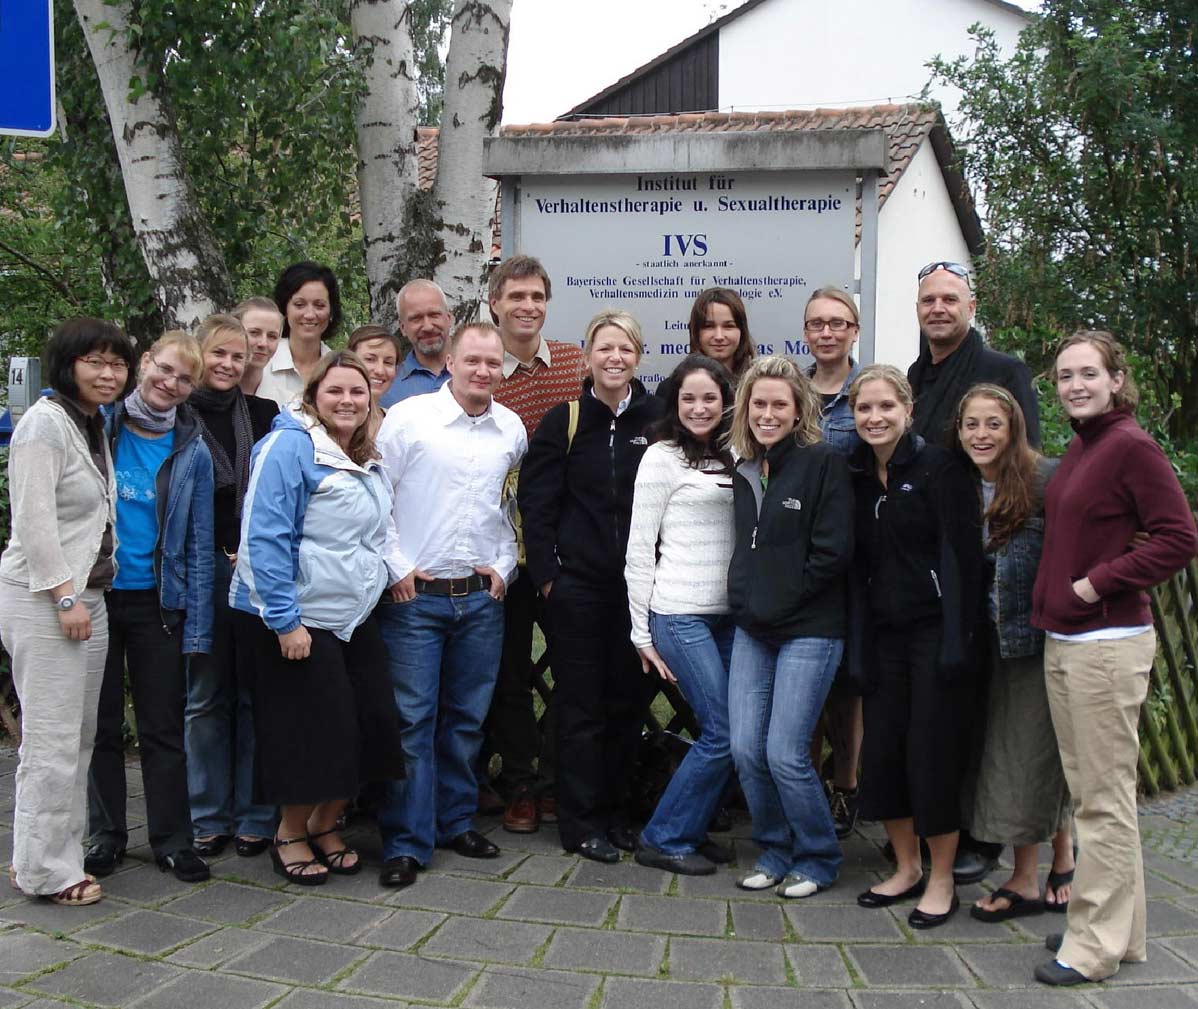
{"points": [[648, 244]]}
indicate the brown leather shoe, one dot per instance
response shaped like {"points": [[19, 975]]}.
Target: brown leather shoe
{"points": [[522, 815]]}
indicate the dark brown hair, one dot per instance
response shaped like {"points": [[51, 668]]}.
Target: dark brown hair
{"points": [[517, 268], [745, 350], [1015, 497], [369, 332]]}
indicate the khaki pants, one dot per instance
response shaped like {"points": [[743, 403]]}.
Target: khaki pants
{"points": [[58, 684], [1095, 689]]}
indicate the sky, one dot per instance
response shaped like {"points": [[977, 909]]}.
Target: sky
{"points": [[561, 52]]}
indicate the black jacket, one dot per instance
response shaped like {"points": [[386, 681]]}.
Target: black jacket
{"points": [[576, 504], [794, 543], [939, 388], [919, 553]]}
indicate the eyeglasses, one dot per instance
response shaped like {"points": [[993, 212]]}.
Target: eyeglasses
{"points": [[833, 325], [166, 372], [118, 366], [956, 269]]}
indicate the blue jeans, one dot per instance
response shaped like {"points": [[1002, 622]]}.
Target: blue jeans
{"points": [[219, 729], [775, 697], [444, 657], [697, 649]]}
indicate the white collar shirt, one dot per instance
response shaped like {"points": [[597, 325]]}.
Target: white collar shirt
{"points": [[280, 379], [447, 472], [511, 363]]}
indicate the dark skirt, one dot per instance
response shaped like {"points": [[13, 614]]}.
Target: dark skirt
{"points": [[323, 724]]}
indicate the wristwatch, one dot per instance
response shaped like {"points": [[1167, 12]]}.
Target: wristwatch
{"points": [[65, 603]]}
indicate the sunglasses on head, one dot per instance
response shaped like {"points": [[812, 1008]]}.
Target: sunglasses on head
{"points": [[956, 269]]}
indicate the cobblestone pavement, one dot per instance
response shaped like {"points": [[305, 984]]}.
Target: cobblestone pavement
{"points": [[536, 929]]}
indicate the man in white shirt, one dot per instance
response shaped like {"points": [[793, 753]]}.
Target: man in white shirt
{"points": [[447, 454]]}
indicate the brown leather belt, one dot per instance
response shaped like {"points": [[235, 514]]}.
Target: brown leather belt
{"points": [[453, 586]]}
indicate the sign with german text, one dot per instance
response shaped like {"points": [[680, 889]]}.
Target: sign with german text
{"points": [[648, 244]]}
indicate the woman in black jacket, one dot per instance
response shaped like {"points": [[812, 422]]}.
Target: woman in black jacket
{"points": [[917, 605], [786, 587], [575, 498], [218, 718]]}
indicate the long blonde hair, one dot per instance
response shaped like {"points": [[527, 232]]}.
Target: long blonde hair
{"points": [[807, 427]]}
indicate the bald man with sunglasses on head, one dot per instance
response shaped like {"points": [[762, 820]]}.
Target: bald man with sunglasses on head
{"points": [[953, 356]]}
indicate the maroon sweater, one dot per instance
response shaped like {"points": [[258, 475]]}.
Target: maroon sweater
{"points": [[1113, 481]]}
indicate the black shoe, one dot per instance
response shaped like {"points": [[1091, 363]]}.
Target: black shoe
{"points": [[1053, 973], [399, 872], [1053, 941], [248, 847], [213, 845], [843, 804], [102, 858], [715, 852], [921, 919], [690, 864], [871, 898], [187, 866], [472, 844], [972, 867], [599, 849], [623, 837]]}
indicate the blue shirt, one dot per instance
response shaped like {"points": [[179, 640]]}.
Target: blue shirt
{"points": [[413, 379], [137, 463]]}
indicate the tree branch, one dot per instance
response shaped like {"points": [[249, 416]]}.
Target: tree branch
{"points": [[43, 271]]}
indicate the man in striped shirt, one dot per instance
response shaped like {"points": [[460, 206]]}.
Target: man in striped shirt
{"points": [[538, 374]]}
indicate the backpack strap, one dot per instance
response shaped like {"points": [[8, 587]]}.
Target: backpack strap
{"points": [[572, 423]]}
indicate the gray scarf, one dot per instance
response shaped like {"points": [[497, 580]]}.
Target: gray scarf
{"points": [[146, 417]]}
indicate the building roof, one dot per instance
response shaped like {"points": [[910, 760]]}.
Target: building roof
{"points": [[698, 37]]}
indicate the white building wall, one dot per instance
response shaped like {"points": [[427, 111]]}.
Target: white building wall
{"points": [[792, 54], [916, 226]]}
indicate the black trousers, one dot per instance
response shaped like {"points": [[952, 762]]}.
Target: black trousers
{"points": [[917, 729], [511, 725], [152, 652], [602, 696]]}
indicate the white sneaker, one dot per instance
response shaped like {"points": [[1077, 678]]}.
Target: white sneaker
{"points": [[758, 880], [795, 885]]}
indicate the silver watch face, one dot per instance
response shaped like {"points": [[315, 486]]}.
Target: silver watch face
{"points": [[66, 602]]}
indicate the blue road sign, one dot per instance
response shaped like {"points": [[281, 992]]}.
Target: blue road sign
{"points": [[27, 68]]}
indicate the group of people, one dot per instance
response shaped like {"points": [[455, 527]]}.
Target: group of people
{"points": [[321, 570]]}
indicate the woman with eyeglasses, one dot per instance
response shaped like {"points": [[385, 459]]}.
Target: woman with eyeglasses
{"points": [[53, 620], [219, 715], [159, 607], [830, 327]]}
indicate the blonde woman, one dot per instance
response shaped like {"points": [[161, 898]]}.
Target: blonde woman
{"points": [[576, 505], [219, 720], [159, 607], [786, 588]]}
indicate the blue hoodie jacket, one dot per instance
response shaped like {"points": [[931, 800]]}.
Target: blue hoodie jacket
{"points": [[313, 531], [183, 553]]}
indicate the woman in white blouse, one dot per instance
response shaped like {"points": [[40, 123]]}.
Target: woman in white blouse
{"points": [[677, 575]]}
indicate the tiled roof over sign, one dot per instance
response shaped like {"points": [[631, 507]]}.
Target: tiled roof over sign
{"points": [[907, 128]]}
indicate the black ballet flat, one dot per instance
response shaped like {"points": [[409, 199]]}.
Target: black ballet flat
{"points": [[923, 920], [871, 898]]}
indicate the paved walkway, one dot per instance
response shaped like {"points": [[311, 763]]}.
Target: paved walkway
{"points": [[535, 929]]}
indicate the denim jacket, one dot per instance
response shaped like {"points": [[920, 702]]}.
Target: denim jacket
{"points": [[1015, 566], [183, 553], [836, 419]]}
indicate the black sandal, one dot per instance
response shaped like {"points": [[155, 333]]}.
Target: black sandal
{"points": [[1018, 906], [1057, 879], [334, 861], [296, 872]]}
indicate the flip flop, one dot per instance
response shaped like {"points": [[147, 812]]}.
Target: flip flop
{"points": [[1056, 879], [1018, 906]]}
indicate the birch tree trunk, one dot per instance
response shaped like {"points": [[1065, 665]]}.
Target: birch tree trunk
{"points": [[473, 104], [388, 165], [183, 259]]}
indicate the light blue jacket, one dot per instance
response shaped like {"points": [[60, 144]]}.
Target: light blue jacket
{"points": [[313, 531]]}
